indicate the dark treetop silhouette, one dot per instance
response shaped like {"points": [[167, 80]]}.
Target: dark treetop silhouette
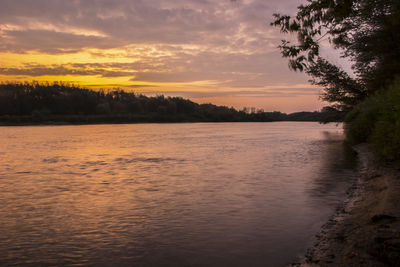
{"points": [[22, 103]]}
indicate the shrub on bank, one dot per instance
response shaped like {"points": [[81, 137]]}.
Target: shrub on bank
{"points": [[385, 139], [360, 122], [377, 121]]}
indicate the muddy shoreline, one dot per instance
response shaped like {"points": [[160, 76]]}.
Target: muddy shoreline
{"points": [[365, 230]]}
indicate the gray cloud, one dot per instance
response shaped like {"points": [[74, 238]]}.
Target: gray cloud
{"points": [[226, 69], [49, 41], [213, 23], [60, 70]]}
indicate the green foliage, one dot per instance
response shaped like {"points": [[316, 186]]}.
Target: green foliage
{"points": [[377, 120], [360, 122], [385, 139]]}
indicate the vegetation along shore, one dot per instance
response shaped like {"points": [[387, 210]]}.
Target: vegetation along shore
{"points": [[58, 103]]}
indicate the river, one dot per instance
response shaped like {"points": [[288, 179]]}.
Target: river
{"points": [[195, 194]]}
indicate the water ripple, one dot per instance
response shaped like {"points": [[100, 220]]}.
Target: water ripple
{"points": [[231, 194]]}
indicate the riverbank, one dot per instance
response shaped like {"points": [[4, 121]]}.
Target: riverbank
{"points": [[366, 229], [29, 120]]}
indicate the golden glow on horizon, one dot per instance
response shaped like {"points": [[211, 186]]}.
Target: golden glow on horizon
{"points": [[283, 104], [10, 60], [108, 60]]}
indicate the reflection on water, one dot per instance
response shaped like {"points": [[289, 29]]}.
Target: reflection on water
{"points": [[337, 160], [233, 194]]}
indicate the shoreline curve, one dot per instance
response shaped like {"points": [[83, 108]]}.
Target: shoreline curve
{"points": [[365, 229]]}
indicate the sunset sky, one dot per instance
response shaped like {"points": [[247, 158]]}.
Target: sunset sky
{"points": [[223, 52]]}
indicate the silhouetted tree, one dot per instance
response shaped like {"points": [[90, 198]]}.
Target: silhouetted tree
{"points": [[366, 31]]}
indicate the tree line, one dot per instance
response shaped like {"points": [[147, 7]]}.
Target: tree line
{"points": [[61, 102]]}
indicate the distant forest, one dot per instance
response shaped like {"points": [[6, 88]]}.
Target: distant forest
{"points": [[59, 103]]}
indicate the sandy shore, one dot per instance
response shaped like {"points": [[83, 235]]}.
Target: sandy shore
{"points": [[365, 231]]}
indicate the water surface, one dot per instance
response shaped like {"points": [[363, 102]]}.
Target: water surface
{"points": [[204, 194]]}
